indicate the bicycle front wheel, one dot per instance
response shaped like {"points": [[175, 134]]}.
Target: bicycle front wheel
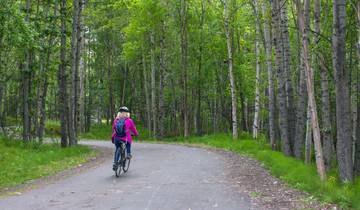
{"points": [[119, 169]]}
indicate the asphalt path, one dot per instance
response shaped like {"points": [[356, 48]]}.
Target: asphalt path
{"points": [[161, 177]]}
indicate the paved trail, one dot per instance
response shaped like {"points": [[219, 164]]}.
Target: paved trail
{"points": [[163, 177]]}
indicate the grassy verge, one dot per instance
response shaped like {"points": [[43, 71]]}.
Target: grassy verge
{"points": [[103, 132], [21, 162], [291, 170], [98, 132]]}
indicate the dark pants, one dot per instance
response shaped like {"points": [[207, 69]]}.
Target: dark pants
{"points": [[118, 147]]}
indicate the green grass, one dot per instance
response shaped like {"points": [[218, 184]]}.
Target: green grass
{"points": [[98, 132], [21, 162], [291, 170], [52, 128], [103, 132]]}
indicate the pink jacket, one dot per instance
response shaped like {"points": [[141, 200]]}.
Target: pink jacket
{"points": [[129, 128]]}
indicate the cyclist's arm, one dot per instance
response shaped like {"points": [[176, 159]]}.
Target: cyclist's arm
{"points": [[133, 129]]}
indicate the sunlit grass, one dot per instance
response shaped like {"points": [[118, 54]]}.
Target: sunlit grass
{"points": [[21, 162]]}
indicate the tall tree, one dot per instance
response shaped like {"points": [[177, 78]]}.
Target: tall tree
{"points": [[286, 62], [268, 49], [281, 74], [184, 63], [257, 80], [75, 61], [162, 69], [301, 106], [26, 76], [43, 86], [310, 90], [357, 142], [153, 90], [231, 74], [342, 81], [146, 92], [63, 101]]}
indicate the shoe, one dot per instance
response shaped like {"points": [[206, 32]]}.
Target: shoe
{"points": [[129, 156], [114, 166]]}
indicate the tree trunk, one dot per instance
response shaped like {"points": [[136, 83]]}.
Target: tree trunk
{"points": [[198, 120], [74, 72], [125, 73], [153, 90], [162, 83], [44, 79], [328, 143], [270, 78], [357, 142], [287, 71], [63, 102], [183, 34], [26, 81], [343, 110], [257, 80], [111, 91], [100, 96], [283, 111], [302, 98], [311, 93], [146, 90], [231, 76], [319, 63], [82, 90], [308, 137]]}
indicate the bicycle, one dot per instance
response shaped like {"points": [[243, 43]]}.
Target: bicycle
{"points": [[123, 163]]}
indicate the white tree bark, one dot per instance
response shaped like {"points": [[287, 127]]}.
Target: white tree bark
{"points": [[257, 80], [231, 76], [311, 96], [270, 77]]}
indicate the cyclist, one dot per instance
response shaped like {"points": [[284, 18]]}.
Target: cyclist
{"points": [[123, 116]]}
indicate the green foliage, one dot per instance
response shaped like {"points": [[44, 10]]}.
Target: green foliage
{"points": [[103, 132], [52, 128], [20, 162], [291, 170], [98, 132]]}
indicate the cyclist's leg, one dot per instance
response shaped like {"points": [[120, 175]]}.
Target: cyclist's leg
{"points": [[117, 152], [128, 149]]}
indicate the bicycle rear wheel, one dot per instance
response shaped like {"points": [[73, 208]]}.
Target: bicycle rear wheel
{"points": [[126, 164]]}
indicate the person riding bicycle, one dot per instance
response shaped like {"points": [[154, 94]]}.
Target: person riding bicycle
{"points": [[123, 127]]}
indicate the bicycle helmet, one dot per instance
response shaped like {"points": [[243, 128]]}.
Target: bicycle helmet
{"points": [[124, 109]]}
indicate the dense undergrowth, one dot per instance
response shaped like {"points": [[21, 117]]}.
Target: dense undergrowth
{"points": [[21, 162]]}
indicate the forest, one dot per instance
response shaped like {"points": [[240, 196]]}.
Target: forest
{"points": [[285, 71]]}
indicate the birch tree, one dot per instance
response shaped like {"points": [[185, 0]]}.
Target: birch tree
{"points": [[310, 90], [231, 74], [268, 49]]}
